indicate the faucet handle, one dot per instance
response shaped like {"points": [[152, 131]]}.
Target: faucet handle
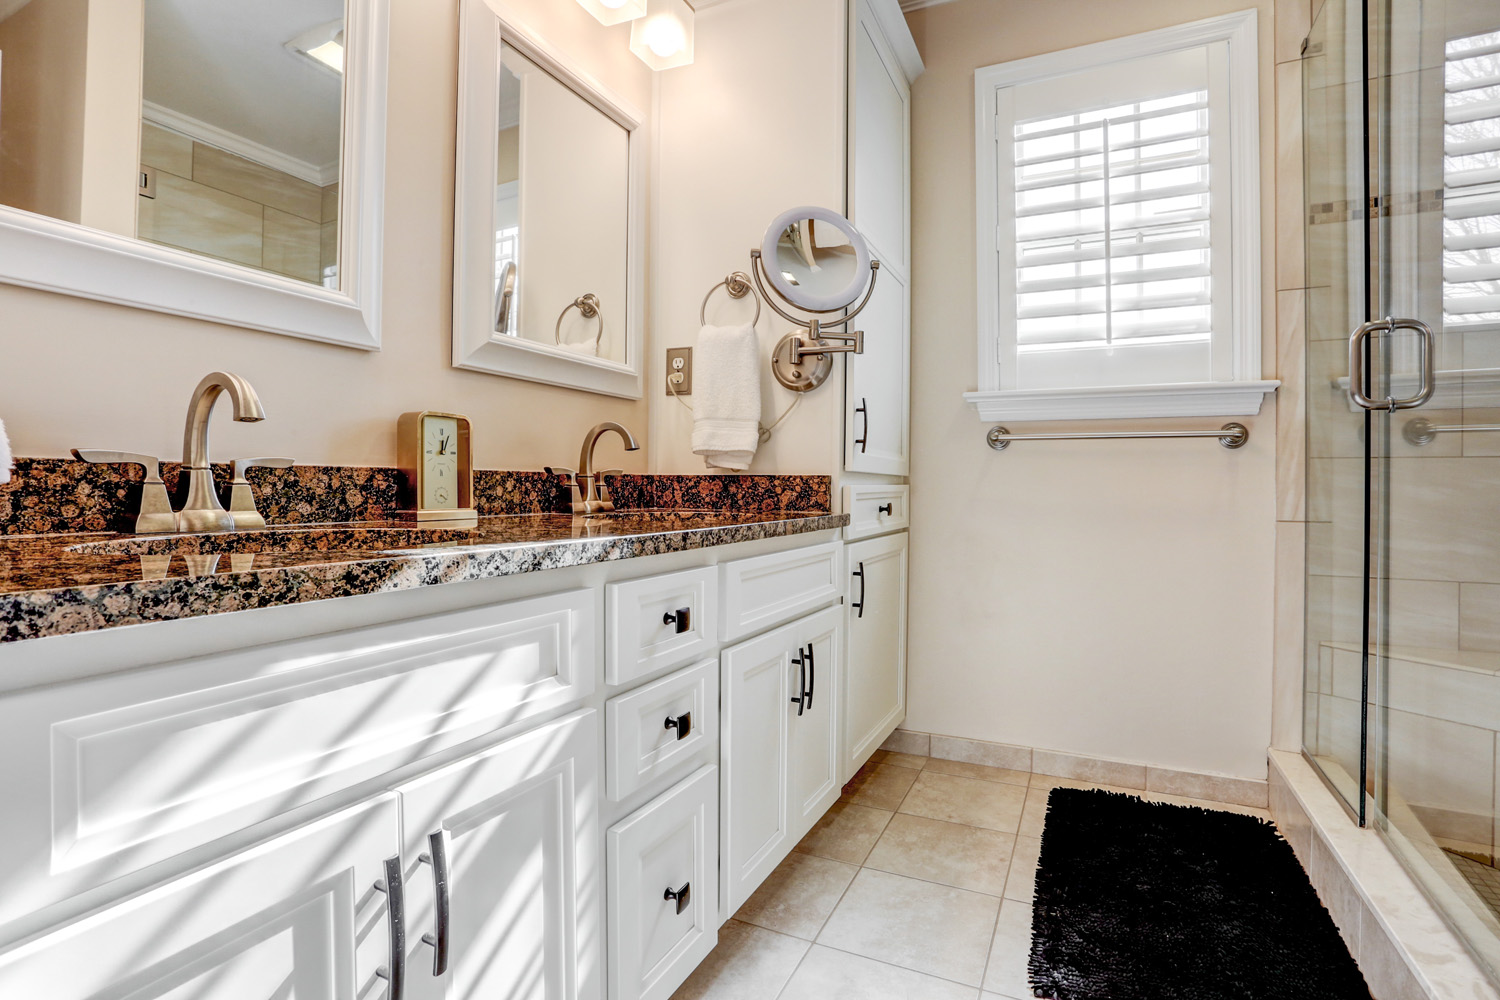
{"points": [[241, 465], [602, 500], [155, 515], [242, 498], [579, 487]]}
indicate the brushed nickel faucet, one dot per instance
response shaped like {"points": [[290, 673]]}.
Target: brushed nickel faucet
{"points": [[590, 493], [201, 511]]}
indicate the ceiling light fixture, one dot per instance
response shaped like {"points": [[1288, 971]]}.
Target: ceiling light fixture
{"points": [[663, 39], [609, 12], [324, 45]]}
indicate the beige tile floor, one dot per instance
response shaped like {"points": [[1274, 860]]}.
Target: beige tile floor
{"points": [[917, 885]]}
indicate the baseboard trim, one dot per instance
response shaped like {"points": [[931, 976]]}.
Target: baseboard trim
{"points": [[1100, 770]]}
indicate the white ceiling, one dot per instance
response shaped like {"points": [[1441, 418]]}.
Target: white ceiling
{"points": [[224, 62]]}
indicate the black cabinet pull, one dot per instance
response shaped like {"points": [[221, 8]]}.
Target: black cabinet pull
{"points": [[683, 618], [859, 605], [884, 508], [683, 895], [812, 674], [864, 436], [801, 700], [682, 723]]}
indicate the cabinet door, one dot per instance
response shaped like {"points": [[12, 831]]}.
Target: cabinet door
{"points": [[757, 690], [880, 119], [297, 916], [876, 400], [875, 669], [815, 754], [877, 386], [519, 827]]}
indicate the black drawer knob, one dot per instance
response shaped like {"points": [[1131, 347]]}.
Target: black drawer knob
{"points": [[884, 508], [683, 895], [682, 723], [683, 619]]}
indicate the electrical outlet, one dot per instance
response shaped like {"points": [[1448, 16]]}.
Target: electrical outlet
{"points": [[679, 371]]}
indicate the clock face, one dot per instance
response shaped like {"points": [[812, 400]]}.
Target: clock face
{"points": [[440, 463]]}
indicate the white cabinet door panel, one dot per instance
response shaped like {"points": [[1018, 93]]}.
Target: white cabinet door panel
{"points": [[875, 668], [659, 622], [296, 917], [757, 691], [876, 394], [147, 764], [524, 879], [881, 115], [815, 754], [670, 845], [642, 749]]}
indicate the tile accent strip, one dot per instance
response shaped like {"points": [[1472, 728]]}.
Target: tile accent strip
{"points": [[50, 495], [1192, 784]]}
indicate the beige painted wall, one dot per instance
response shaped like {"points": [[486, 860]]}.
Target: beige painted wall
{"points": [[738, 145], [1110, 598], [42, 69], [75, 373]]}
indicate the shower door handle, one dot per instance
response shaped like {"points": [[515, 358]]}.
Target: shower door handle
{"points": [[1427, 344]]}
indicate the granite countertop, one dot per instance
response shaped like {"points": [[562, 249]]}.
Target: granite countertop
{"points": [[57, 584]]}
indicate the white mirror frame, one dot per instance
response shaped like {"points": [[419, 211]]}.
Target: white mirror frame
{"points": [[64, 257], [476, 345], [799, 296]]}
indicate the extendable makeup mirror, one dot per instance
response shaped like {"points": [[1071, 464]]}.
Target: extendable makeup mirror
{"points": [[816, 261]]}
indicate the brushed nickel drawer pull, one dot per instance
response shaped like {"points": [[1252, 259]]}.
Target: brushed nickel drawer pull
{"points": [[395, 912], [436, 855]]}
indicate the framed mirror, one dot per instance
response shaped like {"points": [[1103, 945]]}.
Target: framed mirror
{"points": [[209, 158], [548, 269]]}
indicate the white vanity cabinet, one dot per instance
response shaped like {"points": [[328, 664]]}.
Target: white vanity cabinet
{"points": [[510, 891], [781, 754], [297, 916], [877, 396], [562, 780], [874, 698]]}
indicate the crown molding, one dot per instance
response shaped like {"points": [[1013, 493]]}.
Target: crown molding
{"points": [[321, 175]]}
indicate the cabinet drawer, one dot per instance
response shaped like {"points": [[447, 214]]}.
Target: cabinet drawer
{"points": [[875, 510], [127, 770], [659, 622], [666, 849], [642, 748], [768, 590]]}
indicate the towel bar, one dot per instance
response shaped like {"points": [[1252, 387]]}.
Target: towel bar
{"points": [[1231, 435], [1422, 431]]}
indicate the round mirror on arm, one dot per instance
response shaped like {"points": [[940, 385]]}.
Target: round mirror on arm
{"points": [[815, 261]]}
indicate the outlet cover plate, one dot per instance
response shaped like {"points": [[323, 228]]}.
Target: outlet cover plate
{"points": [[685, 387]]}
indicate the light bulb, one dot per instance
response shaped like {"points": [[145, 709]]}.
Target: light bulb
{"points": [[665, 38], [612, 4]]}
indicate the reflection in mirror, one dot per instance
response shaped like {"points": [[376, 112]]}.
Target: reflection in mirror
{"points": [[508, 203], [240, 129], [816, 257], [561, 215], [218, 135]]}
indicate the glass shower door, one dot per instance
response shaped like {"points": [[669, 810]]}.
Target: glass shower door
{"points": [[1435, 475], [1336, 188]]}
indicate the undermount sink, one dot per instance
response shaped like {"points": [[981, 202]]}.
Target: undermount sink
{"points": [[311, 539]]}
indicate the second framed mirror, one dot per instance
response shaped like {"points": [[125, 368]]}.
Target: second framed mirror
{"points": [[548, 275]]}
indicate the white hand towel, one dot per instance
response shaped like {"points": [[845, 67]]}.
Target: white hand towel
{"points": [[726, 403], [5, 458]]}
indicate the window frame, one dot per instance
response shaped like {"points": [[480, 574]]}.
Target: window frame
{"points": [[1244, 391]]}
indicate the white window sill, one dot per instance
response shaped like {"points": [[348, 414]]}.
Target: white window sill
{"points": [[1183, 399]]}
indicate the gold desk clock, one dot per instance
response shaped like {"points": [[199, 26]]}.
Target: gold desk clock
{"points": [[435, 454]]}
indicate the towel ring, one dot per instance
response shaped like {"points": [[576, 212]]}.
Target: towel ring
{"points": [[588, 305], [738, 286]]}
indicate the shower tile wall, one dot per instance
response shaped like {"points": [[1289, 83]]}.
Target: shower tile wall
{"points": [[216, 203]]}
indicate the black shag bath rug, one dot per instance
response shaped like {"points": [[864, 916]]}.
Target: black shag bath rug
{"points": [[1141, 900]]}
